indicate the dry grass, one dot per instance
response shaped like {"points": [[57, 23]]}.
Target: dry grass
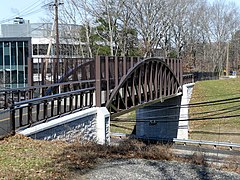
{"points": [[198, 158], [84, 156], [24, 158]]}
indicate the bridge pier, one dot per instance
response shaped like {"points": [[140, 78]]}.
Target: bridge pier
{"points": [[159, 121], [162, 120]]}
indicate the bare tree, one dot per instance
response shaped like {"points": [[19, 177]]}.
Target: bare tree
{"points": [[149, 20], [195, 30]]}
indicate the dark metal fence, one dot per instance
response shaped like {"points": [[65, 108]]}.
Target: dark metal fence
{"points": [[201, 76], [188, 78]]}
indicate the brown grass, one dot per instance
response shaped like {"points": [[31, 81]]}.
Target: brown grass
{"points": [[198, 158], [84, 156], [22, 157]]}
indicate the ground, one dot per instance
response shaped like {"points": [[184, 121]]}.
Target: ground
{"points": [[24, 158], [224, 110]]}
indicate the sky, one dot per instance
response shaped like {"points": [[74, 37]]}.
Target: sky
{"points": [[31, 10]]}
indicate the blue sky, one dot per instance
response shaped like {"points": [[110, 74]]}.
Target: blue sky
{"points": [[31, 10], [28, 9]]}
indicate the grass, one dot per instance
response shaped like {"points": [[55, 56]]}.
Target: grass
{"points": [[22, 157], [220, 129], [124, 127]]}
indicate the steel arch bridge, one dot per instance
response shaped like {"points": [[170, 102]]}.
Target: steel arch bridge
{"points": [[67, 85]]}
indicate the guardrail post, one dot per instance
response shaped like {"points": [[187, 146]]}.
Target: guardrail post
{"points": [[12, 118], [98, 81]]}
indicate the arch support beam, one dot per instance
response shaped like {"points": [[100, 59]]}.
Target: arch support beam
{"points": [[149, 80]]}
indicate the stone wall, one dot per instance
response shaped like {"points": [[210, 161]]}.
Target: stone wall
{"points": [[91, 124]]}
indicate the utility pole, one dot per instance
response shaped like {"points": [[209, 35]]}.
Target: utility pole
{"points": [[227, 60], [56, 29], [56, 74]]}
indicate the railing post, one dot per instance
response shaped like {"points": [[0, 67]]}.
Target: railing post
{"points": [[180, 72], [71, 103], [12, 118], [45, 110], [30, 121], [116, 67], [98, 81], [43, 69], [30, 71]]}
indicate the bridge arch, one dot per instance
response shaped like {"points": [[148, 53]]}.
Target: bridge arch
{"points": [[150, 80]]}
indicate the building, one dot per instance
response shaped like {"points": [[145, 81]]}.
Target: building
{"points": [[23, 39], [14, 53]]}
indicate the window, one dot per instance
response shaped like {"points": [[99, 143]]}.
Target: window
{"points": [[6, 53], [20, 77], [35, 49], [20, 53], [13, 53], [1, 53], [43, 49], [26, 52]]}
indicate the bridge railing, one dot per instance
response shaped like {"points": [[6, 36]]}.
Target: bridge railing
{"points": [[79, 83], [69, 74], [32, 111], [22, 94], [109, 71], [52, 70]]}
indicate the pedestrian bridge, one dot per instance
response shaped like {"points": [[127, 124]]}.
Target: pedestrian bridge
{"points": [[63, 86]]}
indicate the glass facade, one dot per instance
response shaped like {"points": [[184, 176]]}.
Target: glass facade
{"points": [[14, 53]]}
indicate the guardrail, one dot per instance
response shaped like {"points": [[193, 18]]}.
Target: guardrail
{"points": [[212, 143], [187, 141]]}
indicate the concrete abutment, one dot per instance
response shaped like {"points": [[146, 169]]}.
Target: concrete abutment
{"points": [[165, 120], [92, 124]]}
